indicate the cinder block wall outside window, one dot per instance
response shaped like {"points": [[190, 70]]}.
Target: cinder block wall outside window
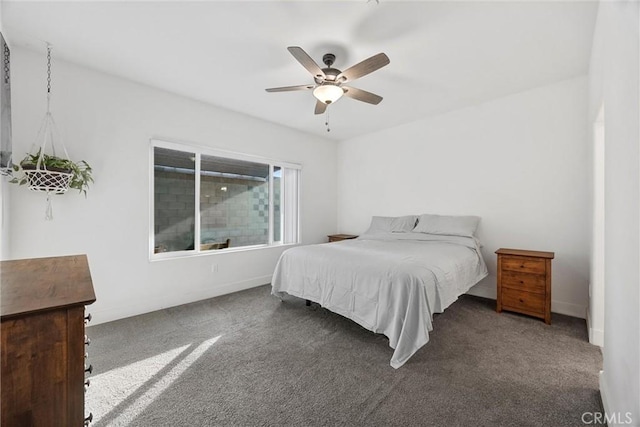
{"points": [[174, 206], [235, 209]]}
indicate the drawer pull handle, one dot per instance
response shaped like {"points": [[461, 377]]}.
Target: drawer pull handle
{"points": [[87, 318], [88, 420], [89, 369], [87, 341]]}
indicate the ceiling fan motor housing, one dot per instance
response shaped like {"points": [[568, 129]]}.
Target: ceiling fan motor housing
{"points": [[330, 75]]}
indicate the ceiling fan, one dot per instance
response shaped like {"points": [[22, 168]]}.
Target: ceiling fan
{"points": [[329, 82]]}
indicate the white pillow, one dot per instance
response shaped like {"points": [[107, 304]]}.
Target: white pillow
{"points": [[392, 224], [447, 225]]}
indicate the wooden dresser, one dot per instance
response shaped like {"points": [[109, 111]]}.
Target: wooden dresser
{"points": [[524, 282], [43, 341], [340, 237]]}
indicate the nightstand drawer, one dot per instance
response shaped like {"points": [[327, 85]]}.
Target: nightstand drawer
{"points": [[524, 264], [535, 283], [522, 301]]}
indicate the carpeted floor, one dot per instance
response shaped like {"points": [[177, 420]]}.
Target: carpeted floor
{"points": [[248, 359]]}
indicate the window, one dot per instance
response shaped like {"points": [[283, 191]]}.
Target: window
{"points": [[204, 200]]}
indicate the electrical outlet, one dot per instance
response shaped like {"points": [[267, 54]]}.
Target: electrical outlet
{"points": [[214, 268]]}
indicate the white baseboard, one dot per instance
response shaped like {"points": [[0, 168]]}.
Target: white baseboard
{"points": [[568, 308], [604, 392], [153, 303], [596, 336], [487, 289]]}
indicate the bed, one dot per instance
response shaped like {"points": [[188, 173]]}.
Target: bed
{"points": [[390, 280]]}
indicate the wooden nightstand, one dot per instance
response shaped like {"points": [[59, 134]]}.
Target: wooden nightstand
{"points": [[524, 282], [339, 237]]}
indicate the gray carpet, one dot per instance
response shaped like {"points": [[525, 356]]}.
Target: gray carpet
{"points": [[248, 359]]}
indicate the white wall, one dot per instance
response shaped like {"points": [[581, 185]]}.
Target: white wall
{"points": [[518, 162], [108, 122], [614, 76]]}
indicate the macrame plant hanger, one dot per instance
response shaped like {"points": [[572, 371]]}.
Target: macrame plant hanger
{"points": [[48, 180]]}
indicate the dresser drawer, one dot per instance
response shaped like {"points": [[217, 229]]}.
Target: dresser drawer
{"points": [[522, 301], [535, 283], [524, 264]]}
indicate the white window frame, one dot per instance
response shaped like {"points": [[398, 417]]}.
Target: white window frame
{"points": [[289, 208]]}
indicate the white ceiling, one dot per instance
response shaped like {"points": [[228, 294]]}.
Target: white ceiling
{"points": [[444, 55]]}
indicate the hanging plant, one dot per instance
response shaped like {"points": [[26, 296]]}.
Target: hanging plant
{"points": [[50, 173], [53, 174]]}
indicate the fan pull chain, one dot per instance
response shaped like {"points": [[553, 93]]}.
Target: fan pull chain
{"points": [[326, 121]]}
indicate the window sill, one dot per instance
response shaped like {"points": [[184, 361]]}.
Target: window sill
{"points": [[164, 256]]}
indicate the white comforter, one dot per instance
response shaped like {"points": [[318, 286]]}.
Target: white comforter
{"points": [[390, 283]]}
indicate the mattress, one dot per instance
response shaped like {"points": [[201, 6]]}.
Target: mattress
{"points": [[389, 283]]}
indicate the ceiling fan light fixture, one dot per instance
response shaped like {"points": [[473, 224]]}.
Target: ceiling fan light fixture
{"points": [[328, 93]]}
